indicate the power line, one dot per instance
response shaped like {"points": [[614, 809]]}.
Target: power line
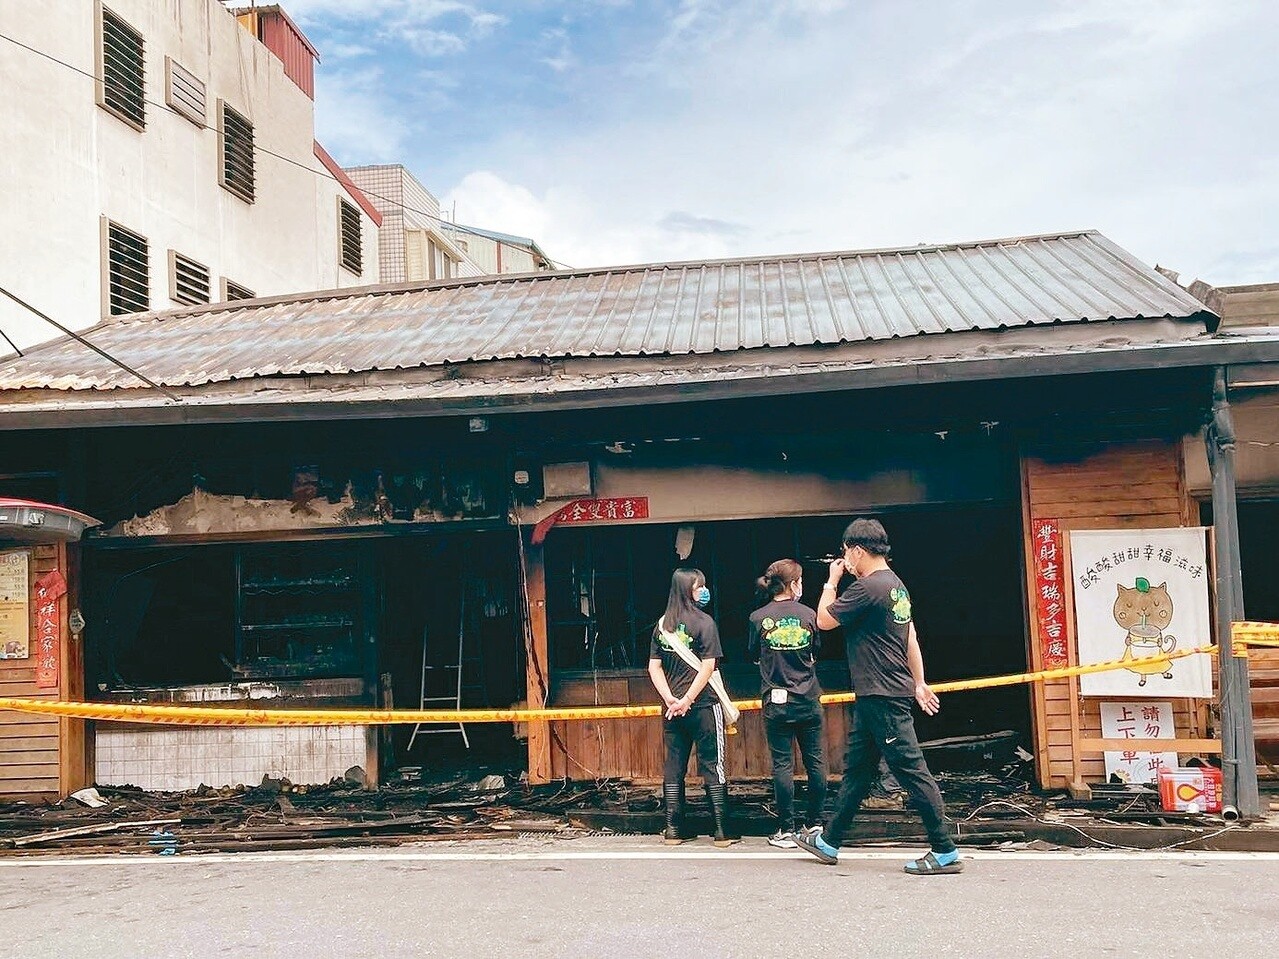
{"points": [[258, 148], [83, 342]]}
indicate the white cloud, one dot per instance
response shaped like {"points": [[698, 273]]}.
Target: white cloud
{"points": [[826, 126]]}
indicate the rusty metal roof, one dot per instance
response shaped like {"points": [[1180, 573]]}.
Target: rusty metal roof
{"points": [[651, 310]]}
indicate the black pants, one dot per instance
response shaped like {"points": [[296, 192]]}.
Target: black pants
{"points": [[703, 727], [884, 726], [796, 721]]}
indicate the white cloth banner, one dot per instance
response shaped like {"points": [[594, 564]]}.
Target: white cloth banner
{"points": [[1140, 595]]}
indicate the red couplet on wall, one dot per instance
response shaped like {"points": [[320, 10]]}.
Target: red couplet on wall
{"points": [[48, 590], [1050, 599]]}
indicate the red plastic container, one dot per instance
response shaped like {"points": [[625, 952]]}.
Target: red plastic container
{"points": [[1190, 789]]}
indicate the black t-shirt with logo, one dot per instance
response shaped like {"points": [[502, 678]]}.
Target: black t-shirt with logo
{"points": [[876, 616], [785, 639], [699, 633]]}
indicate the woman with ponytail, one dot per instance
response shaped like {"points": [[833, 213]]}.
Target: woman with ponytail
{"points": [[694, 717], [784, 639]]}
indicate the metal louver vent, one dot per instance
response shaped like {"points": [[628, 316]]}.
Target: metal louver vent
{"points": [[123, 70], [234, 291], [128, 271], [349, 237], [189, 280], [185, 93], [237, 154]]}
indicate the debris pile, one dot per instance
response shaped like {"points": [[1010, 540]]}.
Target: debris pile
{"points": [[276, 815]]}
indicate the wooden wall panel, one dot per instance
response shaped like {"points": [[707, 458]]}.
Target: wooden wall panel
{"points": [[29, 745], [1263, 668], [633, 748], [1139, 486]]}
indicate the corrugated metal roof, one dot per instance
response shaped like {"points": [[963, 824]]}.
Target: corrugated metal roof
{"points": [[660, 309]]}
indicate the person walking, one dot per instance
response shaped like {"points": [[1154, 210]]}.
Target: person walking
{"points": [[694, 717], [887, 671], [784, 640]]}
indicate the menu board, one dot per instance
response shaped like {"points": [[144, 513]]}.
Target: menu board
{"points": [[15, 605]]}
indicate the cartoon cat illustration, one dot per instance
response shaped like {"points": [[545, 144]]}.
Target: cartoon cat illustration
{"points": [[1145, 611]]}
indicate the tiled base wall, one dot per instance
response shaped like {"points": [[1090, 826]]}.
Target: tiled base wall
{"points": [[173, 759]]}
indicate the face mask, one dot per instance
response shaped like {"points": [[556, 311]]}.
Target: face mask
{"points": [[702, 596]]}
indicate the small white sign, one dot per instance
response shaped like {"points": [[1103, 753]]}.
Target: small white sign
{"points": [[1144, 720]]}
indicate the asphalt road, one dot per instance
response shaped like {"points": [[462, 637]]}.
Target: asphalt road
{"points": [[625, 897]]}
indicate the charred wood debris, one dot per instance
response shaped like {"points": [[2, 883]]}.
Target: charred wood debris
{"points": [[990, 809]]}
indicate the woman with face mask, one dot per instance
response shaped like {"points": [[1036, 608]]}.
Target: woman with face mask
{"points": [[694, 716], [784, 640]]}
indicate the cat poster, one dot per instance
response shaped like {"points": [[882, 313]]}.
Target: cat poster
{"points": [[1141, 595]]}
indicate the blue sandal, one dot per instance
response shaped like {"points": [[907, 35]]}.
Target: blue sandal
{"points": [[930, 865]]}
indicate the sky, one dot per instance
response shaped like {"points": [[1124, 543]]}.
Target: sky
{"points": [[622, 132]]}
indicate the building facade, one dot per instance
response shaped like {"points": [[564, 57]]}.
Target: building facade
{"points": [[162, 155], [418, 243], [502, 473]]}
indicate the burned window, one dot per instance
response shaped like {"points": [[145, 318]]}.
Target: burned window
{"points": [[185, 93], [234, 291], [128, 271], [236, 134], [122, 70], [349, 238], [188, 280]]}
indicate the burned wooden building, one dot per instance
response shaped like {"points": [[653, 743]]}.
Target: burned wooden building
{"points": [[474, 491]]}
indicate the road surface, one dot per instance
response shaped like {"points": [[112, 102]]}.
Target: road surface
{"points": [[632, 897]]}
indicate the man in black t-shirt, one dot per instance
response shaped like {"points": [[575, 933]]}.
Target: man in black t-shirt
{"points": [[887, 671]]}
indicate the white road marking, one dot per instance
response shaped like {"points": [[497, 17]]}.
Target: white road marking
{"points": [[621, 855]]}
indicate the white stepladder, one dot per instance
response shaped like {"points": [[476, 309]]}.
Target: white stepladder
{"points": [[455, 700]]}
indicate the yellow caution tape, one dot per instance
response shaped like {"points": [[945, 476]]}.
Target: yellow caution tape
{"points": [[1243, 635], [231, 716]]}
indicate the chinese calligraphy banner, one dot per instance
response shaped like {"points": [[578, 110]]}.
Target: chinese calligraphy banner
{"points": [[1050, 601], [612, 509], [15, 605], [49, 589], [1137, 721], [1139, 595]]}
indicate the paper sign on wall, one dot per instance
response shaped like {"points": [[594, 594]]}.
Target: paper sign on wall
{"points": [[15, 605], [1140, 595], [1147, 720]]}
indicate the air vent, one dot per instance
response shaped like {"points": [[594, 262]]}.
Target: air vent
{"points": [[234, 291], [123, 70], [184, 92], [188, 280], [237, 153], [128, 271], [349, 237]]}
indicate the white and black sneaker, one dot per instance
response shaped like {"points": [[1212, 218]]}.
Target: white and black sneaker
{"points": [[782, 839]]}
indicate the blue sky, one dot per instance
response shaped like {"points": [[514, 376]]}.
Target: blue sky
{"points": [[617, 131]]}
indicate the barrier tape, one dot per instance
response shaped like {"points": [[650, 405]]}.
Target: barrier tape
{"points": [[233, 716]]}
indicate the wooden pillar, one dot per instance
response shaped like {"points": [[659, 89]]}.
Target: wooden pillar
{"points": [[73, 734], [537, 671]]}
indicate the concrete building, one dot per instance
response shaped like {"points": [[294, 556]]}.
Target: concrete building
{"points": [[164, 154], [500, 252], [417, 243]]}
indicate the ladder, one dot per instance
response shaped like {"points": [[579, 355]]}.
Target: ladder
{"points": [[457, 685]]}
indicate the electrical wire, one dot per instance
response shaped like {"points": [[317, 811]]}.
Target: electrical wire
{"points": [[1031, 814], [83, 342], [258, 147]]}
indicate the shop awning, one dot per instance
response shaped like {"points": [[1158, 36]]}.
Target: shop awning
{"points": [[23, 521]]}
